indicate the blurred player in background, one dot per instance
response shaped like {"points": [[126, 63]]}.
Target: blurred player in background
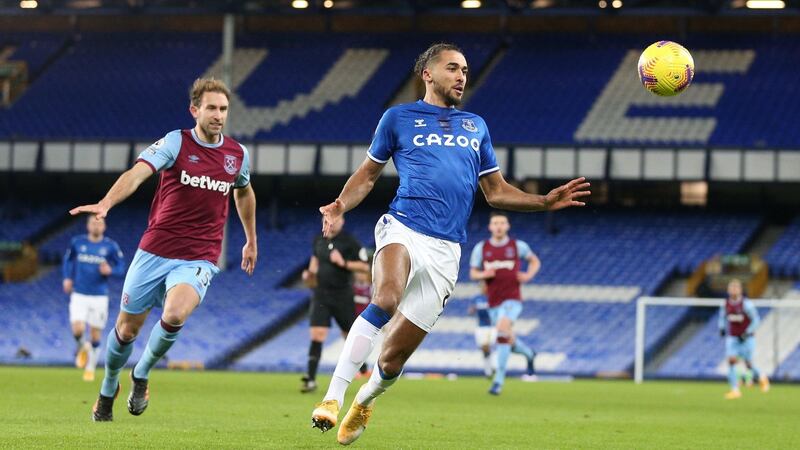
{"points": [[496, 262], [441, 154], [362, 282], [330, 274], [485, 333], [738, 320], [90, 259], [362, 296], [176, 260]]}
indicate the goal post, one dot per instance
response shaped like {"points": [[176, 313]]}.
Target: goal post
{"points": [[779, 331]]}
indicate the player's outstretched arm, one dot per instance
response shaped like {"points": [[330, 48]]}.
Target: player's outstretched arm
{"points": [[126, 184], [499, 194], [245, 200], [355, 190]]}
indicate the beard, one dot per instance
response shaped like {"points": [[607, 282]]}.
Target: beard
{"points": [[210, 132], [449, 99]]}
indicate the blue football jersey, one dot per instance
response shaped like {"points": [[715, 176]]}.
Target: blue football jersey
{"points": [[481, 304], [439, 154], [82, 264]]}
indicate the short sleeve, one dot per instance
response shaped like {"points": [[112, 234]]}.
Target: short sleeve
{"points": [[488, 158], [383, 142], [163, 153], [476, 258], [523, 249], [244, 173]]}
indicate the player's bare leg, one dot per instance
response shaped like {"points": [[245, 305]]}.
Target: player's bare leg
{"points": [[391, 272], [402, 339], [181, 300], [118, 350]]}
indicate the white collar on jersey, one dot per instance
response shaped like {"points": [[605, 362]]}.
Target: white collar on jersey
{"points": [[206, 144]]}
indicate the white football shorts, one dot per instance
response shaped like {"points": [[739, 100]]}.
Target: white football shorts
{"points": [[92, 309], [485, 336], [434, 270]]}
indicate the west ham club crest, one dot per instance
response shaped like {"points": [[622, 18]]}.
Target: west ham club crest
{"points": [[230, 164]]}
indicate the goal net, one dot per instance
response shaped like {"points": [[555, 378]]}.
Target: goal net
{"points": [[679, 337]]}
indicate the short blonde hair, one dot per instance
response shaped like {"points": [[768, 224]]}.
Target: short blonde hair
{"points": [[203, 85]]}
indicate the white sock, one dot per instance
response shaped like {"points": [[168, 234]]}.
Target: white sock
{"points": [[91, 363], [357, 347], [376, 386]]}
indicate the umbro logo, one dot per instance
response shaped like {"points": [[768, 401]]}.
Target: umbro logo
{"points": [[419, 123], [194, 158]]}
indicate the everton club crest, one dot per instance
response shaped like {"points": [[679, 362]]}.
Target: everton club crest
{"points": [[469, 125], [230, 164]]}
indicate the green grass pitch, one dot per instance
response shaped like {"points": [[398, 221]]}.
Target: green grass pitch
{"points": [[50, 408]]}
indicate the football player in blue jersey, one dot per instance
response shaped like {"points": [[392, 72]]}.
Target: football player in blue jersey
{"points": [[485, 333], [442, 155], [90, 259]]}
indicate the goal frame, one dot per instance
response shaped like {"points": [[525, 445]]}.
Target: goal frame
{"points": [[641, 316]]}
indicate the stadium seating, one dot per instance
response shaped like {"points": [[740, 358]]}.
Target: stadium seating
{"points": [[20, 222], [783, 257], [582, 335], [236, 310], [36, 49], [123, 86], [575, 336], [540, 92]]}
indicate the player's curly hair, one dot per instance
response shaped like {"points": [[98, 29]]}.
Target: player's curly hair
{"points": [[203, 85], [432, 53]]}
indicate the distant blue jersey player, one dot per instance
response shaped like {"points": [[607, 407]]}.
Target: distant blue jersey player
{"points": [[485, 333], [442, 155], [88, 262], [738, 321]]}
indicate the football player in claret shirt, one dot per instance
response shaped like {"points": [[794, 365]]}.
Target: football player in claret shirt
{"points": [[90, 259], [442, 155], [199, 169], [738, 321], [496, 261]]}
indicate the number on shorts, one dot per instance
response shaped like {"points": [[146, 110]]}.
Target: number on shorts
{"points": [[205, 278]]}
